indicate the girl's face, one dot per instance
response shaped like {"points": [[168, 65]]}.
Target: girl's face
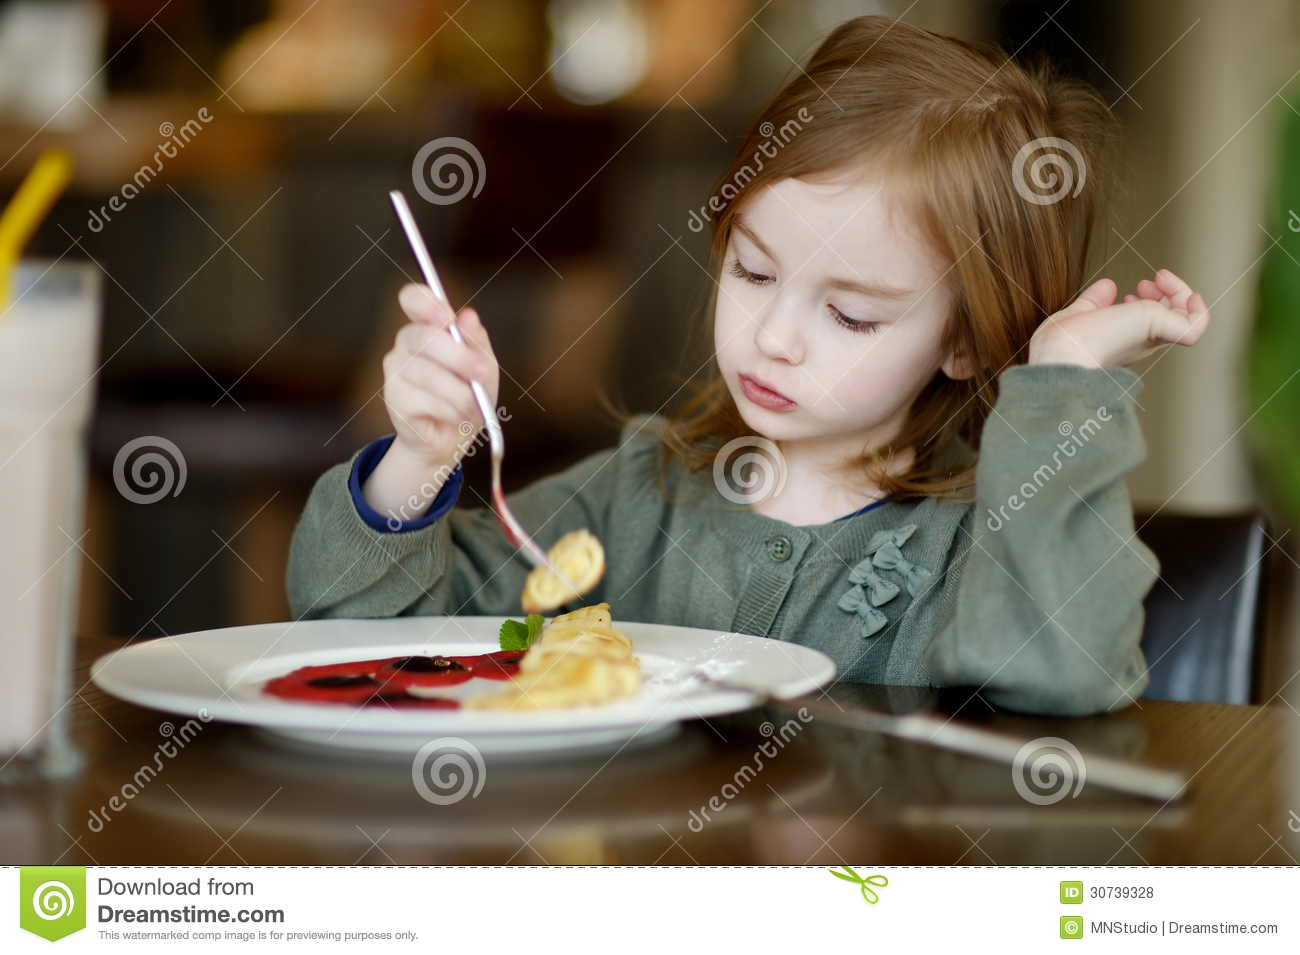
{"points": [[830, 314]]}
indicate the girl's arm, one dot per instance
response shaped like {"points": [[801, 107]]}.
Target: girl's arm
{"points": [[378, 536], [427, 394], [342, 566], [1049, 612]]}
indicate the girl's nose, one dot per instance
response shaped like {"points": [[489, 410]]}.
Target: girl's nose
{"points": [[777, 331]]}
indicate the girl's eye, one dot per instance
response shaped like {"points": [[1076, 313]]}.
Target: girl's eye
{"points": [[852, 324], [754, 278]]}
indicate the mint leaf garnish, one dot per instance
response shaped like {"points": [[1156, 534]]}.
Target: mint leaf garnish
{"points": [[521, 636], [535, 623], [514, 635]]}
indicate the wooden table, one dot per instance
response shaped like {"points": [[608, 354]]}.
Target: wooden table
{"points": [[830, 796]]}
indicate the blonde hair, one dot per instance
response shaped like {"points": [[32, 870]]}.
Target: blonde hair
{"points": [[946, 122]]}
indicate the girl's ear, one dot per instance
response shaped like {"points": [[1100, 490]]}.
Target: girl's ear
{"points": [[957, 367]]}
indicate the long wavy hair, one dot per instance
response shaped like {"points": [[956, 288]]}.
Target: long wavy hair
{"points": [[1005, 170]]}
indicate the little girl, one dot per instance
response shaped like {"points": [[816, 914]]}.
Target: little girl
{"points": [[899, 239]]}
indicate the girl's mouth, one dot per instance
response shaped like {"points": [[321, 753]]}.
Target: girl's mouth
{"points": [[763, 396]]}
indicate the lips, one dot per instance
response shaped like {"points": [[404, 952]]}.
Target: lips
{"points": [[764, 396]]}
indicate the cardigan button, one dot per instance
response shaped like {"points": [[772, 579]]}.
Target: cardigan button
{"points": [[780, 549]]}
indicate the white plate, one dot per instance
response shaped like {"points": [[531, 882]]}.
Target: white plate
{"points": [[222, 672]]}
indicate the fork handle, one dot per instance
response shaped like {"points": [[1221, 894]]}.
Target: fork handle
{"points": [[431, 279], [509, 524]]}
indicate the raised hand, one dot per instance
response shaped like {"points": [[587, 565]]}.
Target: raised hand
{"points": [[1094, 332], [427, 393]]}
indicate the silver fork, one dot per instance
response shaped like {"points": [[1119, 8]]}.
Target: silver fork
{"points": [[514, 531]]}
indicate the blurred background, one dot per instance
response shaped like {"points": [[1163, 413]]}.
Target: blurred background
{"points": [[250, 280]]}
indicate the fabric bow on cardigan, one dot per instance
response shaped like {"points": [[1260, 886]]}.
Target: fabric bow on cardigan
{"points": [[883, 551], [898, 537], [856, 601], [890, 557], [880, 589], [864, 602]]}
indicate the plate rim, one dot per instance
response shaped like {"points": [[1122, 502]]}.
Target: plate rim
{"points": [[273, 714]]}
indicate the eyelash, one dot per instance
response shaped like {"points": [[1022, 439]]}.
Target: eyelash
{"points": [[754, 278], [757, 278], [852, 324]]}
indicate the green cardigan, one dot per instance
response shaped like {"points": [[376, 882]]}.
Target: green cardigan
{"points": [[1033, 593]]}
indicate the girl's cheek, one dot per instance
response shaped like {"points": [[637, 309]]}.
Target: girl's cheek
{"points": [[728, 330], [866, 380]]}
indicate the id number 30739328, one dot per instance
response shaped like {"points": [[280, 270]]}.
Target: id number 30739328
{"points": [[1122, 892]]}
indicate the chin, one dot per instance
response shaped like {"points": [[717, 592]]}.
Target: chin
{"points": [[773, 425]]}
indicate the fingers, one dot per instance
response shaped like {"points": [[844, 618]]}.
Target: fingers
{"points": [[1099, 294], [1173, 293], [475, 334], [1149, 291], [1182, 316], [1167, 288], [1198, 316], [419, 304], [1174, 288], [1172, 326], [421, 307], [440, 365], [422, 390], [427, 374], [435, 378], [465, 360]]}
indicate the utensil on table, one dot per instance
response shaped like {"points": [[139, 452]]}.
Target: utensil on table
{"points": [[514, 531], [943, 733]]}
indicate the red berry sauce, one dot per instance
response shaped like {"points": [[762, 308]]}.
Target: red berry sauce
{"points": [[380, 683]]}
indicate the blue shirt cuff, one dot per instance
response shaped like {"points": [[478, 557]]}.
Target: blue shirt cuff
{"points": [[395, 522]]}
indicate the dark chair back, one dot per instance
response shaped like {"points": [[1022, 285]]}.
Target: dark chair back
{"points": [[1204, 618]]}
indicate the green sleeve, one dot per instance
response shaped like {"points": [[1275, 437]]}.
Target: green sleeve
{"points": [[460, 564], [1049, 612]]}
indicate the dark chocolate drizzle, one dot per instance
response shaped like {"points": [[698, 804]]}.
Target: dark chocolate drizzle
{"points": [[342, 681], [426, 665]]}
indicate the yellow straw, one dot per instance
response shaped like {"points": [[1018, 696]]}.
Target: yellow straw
{"points": [[30, 205]]}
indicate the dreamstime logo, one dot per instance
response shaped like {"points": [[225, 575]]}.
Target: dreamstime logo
{"points": [[53, 900], [774, 141], [160, 467], [174, 140], [759, 473], [171, 746], [1048, 186], [1048, 787], [776, 737], [449, 185], [474, 439], [1075, 438], [442, 771]]}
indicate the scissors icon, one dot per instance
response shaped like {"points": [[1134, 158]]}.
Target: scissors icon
{"points": [[868, 892], [1293, 824]]}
